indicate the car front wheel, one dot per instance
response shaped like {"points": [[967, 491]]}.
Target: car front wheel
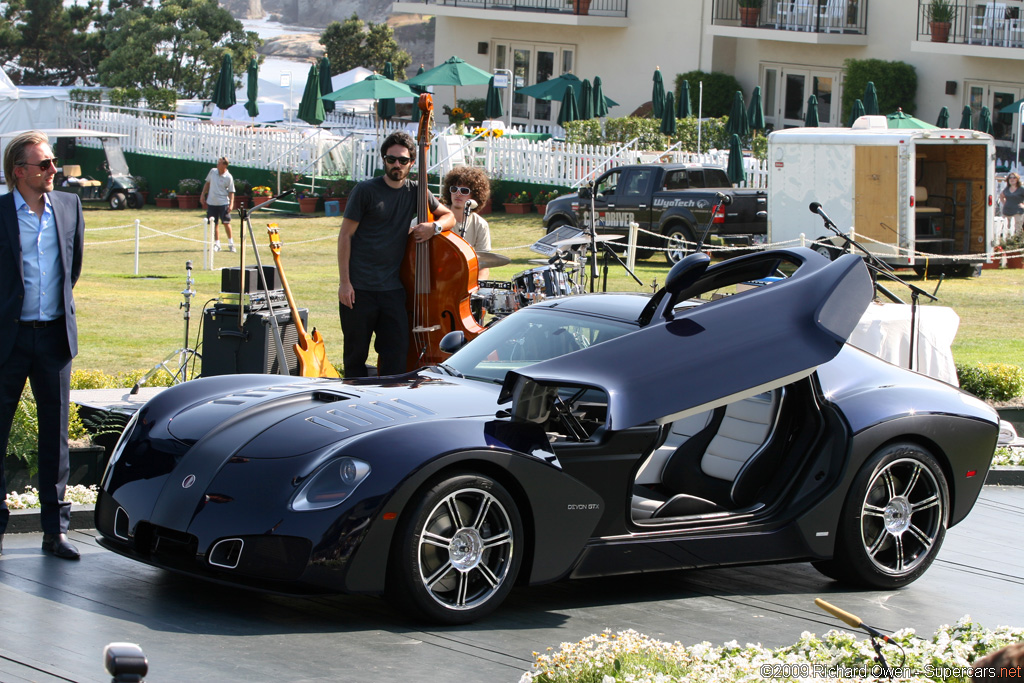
{"points": [[459, 550], [118, 200], [893, 521]]}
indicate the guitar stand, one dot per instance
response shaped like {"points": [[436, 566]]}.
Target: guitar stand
{"points": [[181, 356]]}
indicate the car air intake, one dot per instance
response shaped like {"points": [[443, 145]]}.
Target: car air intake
{"points": [[122, 524], [226, 553]]}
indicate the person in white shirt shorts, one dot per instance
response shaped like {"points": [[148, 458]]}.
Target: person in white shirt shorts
{"points": [[218, 199]]}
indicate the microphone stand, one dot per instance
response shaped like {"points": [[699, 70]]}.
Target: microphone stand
{"points": [[593, 239], [723, 200]]}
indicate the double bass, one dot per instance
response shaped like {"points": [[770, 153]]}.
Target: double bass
{"points": [[438, 275]]}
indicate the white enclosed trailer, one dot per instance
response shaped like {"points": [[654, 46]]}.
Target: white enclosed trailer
{"points": [[916, 198]]}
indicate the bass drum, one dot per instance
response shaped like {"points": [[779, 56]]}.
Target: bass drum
{"points": [[542, 283]]}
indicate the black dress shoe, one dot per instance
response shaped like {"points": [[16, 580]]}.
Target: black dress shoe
{"points": [[58, 545]]}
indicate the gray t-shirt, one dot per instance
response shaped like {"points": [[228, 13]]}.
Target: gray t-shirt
{"points": [[384, 215], [221, 187], [1012, 204]]}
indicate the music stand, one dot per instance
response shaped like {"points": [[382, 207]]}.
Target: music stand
{"points": [[182, 355]]}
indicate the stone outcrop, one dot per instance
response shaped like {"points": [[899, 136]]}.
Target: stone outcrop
{"points": [[298, 46], [244, 9]]}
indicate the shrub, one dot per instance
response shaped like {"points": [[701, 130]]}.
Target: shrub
{"points": [[243, 188], [125, 97], [161, 99], [474, 107], [584, 132], [719, 90], [896, 83], [628, 127], [991, 381]]}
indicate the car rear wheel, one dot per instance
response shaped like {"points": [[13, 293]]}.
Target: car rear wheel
{"points": [[677, 237], [827, 249], [118, 200], [459, 550], [893, 521]]}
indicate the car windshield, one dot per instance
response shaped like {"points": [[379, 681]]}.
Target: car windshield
{"points": [[529, 336]]}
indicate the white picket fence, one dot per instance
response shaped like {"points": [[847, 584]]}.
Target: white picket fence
{"points": [[351, 147]]}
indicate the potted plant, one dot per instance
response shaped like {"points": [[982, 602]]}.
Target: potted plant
{"points": [[166, 199], [243, 192], [941, 14], [542, 199], [457, 116], [142, 186], [308, 200], [581, 6], [518, 202], [750, 11], [337, 192], [188, 193]]}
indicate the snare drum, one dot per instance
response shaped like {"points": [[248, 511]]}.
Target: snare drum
{"points": [[541, 283]]}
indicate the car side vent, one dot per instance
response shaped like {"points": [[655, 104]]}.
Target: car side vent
{"points": [[226, 553]]}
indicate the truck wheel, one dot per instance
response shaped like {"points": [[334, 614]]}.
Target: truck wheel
{"points": [[826, 249], [556, 223], [677, 237], [118, 200], [135, 200]]}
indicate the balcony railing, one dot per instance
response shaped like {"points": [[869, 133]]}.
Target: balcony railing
{"points": [[847, 17], [602, 8], [999, 24]]}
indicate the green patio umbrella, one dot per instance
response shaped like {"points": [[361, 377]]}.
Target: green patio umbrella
{"points": [[454, 72], [755, 112], [857, 111], [311, 107], [386, 106], [224, 88], [683, 108], [738, 123], [252, 88], [668, 115], [326, 86], [985, 120], [898, 119], [569, 111], [658, 95], [811, 120], [586, 101], [373, 87], [965, 118], [734, 169], [600, 102], [554, 89], [871, 100], [943, 120], [492, 107]]}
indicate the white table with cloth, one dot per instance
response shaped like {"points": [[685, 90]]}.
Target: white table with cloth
{"points": [[884, 331]]}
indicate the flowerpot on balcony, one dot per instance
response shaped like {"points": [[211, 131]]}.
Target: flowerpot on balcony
{"points": [[308, 204], [749, 16], [940, 31], [581, 6], [188, 201], [166, 202], [518, 208]]}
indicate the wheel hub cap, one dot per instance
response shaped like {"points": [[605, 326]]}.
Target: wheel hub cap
{"points": [[897, 515], [465, 549]]}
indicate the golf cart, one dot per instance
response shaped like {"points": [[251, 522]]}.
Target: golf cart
{"points": [[118, 191]]}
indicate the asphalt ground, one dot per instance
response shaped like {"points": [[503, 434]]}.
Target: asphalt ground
{"points": [[56, 616]]}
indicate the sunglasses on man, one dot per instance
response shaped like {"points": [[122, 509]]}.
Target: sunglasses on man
{"points": [[404, 161], [44, 165]]}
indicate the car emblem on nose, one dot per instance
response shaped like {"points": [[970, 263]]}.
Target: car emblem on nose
{"points": [[188, 481]]}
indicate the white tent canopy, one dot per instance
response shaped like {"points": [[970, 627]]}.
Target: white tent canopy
{"points": [[23, 107]]}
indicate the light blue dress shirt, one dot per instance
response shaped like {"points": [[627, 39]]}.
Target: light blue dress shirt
{"points": [[40, 258]]}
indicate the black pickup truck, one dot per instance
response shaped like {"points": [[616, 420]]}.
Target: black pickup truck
{"points": [[673, 200]]}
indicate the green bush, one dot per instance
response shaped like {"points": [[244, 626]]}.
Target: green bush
{"points": [[895, 83], [628, 127], [719, 91], [125, 97], [475, 108], [991, 381], [161, 99], [584, 132]]}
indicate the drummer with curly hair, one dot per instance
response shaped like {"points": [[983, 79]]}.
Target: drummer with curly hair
{"points": [[460, 185]]}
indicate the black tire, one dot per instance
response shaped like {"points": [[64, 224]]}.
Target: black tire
{"points": [[827, 249], [675, 235], [893, 521], [458, 550], [135, 200], [118, 201], [556, 223]]}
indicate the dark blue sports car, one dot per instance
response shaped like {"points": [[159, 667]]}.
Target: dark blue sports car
{"points": [[713, 423]]}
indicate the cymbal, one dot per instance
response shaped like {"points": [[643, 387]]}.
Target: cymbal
{"points": [[539, 261], [488, 259], [584, 239]]}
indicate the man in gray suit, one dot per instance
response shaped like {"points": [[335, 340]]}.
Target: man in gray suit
{"points": [[41, 240]]}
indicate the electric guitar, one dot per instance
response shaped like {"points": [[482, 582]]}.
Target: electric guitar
{"points": [[310, 349]]}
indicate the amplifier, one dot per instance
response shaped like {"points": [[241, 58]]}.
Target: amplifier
{"points": [[230, 351], [229, 279]]}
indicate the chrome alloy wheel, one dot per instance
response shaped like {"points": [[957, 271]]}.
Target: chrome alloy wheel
{"points": [[677, 247], [902, 516], [466, 549]]}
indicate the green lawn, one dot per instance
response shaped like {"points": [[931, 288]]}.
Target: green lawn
{"points": [[129, 322]]}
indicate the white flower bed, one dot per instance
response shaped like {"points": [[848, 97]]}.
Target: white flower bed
{"points": [[632, 657], [78, 495]]}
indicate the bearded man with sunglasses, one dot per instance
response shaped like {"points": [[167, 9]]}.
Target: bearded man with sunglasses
{"points": [[41, 240], [371, 245]]}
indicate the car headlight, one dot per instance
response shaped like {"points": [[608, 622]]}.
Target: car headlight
{"points": [[331, 484], [122, 441]]}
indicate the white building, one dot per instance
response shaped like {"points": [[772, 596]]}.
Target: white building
{"points": [[796, 48]]}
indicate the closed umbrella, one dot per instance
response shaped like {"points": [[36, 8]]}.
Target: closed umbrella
{"points": [[871, 100], [943, 120], [569, 111], [586, 101], [311, 107], [658, 95], [755, 113], [683, 108], [985, 120], [386, 106], [811, 120], [252, 88], [492, 107], [965, 118], [857, 111], [326, 86], [738, 123], [734, 169], [668, 117], [224, 88], [899, 119], [600, 102]]}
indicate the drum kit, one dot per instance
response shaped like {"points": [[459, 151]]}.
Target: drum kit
{"points": [[562, 274]]}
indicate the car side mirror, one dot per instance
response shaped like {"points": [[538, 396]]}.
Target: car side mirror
{"points": [[585, 192], [452, 342]]}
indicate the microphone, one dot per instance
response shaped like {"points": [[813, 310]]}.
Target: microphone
{"points": [[723, 198], [815, 207], [471, 205], [849, 619]]}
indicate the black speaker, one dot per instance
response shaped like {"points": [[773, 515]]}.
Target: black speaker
{"points": [[229, 280], [230, 351]]}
